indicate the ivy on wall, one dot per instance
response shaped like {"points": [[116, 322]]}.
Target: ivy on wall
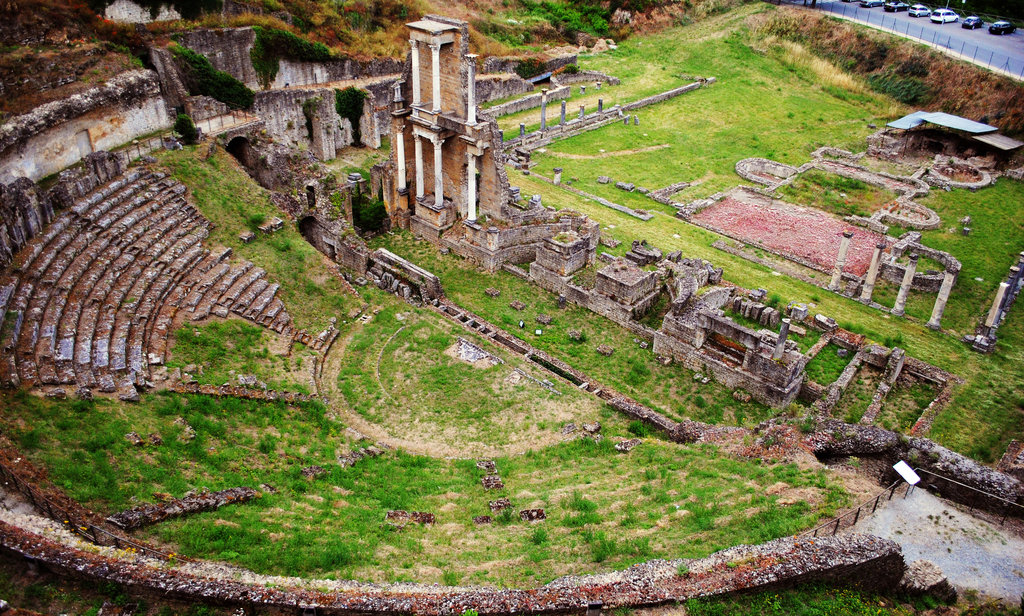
{"points": [[202, 78], [273, 45]]}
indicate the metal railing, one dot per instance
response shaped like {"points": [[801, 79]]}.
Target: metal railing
{"points": [[851, 517], [924, 31], [75, 522], [210, 126]]}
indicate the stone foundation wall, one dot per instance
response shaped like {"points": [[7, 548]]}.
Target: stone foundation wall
{"points": [[57, 135], [532, 102], [508, 64]]}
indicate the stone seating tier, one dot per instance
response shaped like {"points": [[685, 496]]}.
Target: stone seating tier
{"points": [[93, 299]]}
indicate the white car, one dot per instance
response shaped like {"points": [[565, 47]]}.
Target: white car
{"points": [[919, 10], [944, 16]]}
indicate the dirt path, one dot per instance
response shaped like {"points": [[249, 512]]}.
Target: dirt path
{"points": [[650, 148], [973, 554]]}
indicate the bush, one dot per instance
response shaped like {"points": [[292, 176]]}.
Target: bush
{"points": [[202, 78], [272, 44], [184, 127], [349, 105], [529, 67], [570, 69], [906, 90], [368, 214]]}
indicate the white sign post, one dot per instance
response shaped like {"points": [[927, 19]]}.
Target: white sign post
{"points": [[907, 474]]}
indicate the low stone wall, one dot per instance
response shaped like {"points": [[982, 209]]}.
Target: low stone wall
{"points": [[494, 87], [530, 102], [58, 134], [869, 561], [508, 64], [591, 121]]}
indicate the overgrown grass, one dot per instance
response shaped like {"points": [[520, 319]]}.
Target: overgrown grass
{"points": [[605, 510], [835, 194], [827, 365]]}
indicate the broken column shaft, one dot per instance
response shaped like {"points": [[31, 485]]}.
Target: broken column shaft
{"points": [[869, 281], [837, 273], [908, 281], [940, 302], [780, 346], [997, 305]]}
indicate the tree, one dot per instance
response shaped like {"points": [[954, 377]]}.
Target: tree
{"points": [[186, 128]]}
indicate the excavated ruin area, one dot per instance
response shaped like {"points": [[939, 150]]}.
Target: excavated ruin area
{"points": [[803, 234]]}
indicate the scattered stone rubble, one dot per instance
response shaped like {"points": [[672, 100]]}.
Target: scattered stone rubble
{"points": [[399, 519], [145, 515]]}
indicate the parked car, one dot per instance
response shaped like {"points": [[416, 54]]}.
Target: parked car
{"points": [[944, 16], [1002, 27], [896, 7], [972, 22], [870, 4], [920, 10]]}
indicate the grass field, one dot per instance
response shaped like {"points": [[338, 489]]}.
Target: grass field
{"points": [[605, 509]]}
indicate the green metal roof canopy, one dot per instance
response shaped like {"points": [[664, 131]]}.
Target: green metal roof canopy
{"points": [[942, 119]]}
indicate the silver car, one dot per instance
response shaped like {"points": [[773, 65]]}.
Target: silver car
{"points": [[919, 10]]}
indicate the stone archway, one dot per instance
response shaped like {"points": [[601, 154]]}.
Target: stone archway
{"points": [[242, 150], [311, 229]]}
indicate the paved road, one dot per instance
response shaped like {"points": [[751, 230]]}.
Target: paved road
{"points": [[1004, 53]]}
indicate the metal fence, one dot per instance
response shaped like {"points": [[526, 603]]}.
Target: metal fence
{"points": [[210, 126], [930, 481], [949, 38], [74, 522]]}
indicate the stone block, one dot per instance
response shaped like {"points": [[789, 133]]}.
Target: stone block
{"points": [[627, 446], [532, 515], [603, 179]]}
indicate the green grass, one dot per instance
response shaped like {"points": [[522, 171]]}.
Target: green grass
{"points": [[813, 600], [229, 348], [446, 405], [827, 365], [835, 194], [605, 510]]}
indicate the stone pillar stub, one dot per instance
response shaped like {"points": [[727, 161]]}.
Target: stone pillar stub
{"points": [[400, 156], [522, 130], [869, 281], [562, 120], [780, 346], [908, 281], [543, 108], [997, 305], [582, 111], [940, 302], [837, 272], [558, 176]]}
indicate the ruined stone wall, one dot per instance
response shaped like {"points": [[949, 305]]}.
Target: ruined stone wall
{"points": [[284, 116], [494, 87], [508, 64], [532, 102], [57, 135], [202, 107], [228, 50]]}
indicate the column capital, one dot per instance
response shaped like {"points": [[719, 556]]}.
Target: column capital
{"points": [[434, 46], [413, 43], [472, 56]]}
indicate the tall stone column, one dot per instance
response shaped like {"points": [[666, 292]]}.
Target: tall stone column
{"points": [[471, 94], [837, 272], [543, 108], [418, 142], [997, 305], [522, 130], [780, 346], [908, 280], [438, 175], [940, 302], [562, 120], [435, 54], [417, 93], [471, 181], [581, 111], [869, 281], [400, 155]]}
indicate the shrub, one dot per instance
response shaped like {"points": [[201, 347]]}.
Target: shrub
{"points": [[202, 78], [349, 105], [639, 429], [907, 90], [529, 67], [184, 127], [368, 214], [570, 69], [272, 45]]}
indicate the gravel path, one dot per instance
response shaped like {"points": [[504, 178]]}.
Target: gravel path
{"points": [[971, 552]]}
